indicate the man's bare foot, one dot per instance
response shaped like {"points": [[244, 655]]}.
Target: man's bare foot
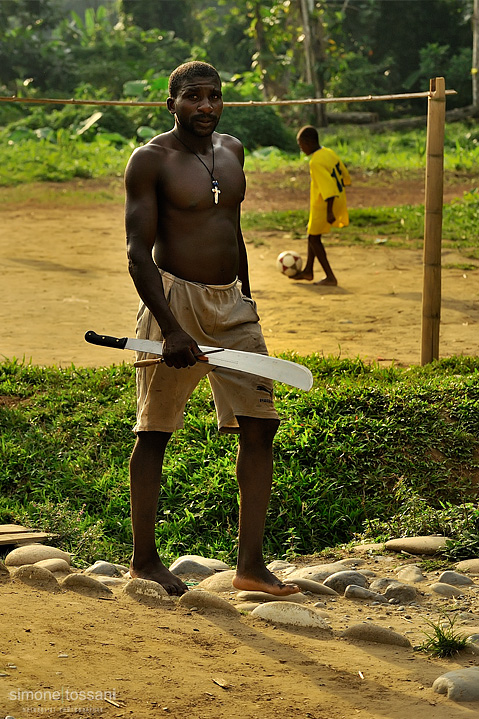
{"points": [[331, 282], [304, 275], [157, 572], [264, 581]]}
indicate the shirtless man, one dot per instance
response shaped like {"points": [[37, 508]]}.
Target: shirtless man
{"points": [[188, 261], [328, 208]]}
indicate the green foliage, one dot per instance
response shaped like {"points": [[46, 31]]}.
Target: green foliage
{"points": [[254, 126], [350, 451], [418, 518], [439, 61], [44, 49], [29, 159], [444, 641], [398, 152], [464, 546]]}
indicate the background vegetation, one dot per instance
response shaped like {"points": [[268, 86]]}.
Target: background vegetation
{"points": [[271, 49]]}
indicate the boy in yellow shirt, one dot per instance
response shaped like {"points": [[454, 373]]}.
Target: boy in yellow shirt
{"points": [[327, 201]]}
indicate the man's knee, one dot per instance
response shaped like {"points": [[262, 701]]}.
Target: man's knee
{"points": [[152, 441], [258, 429]]}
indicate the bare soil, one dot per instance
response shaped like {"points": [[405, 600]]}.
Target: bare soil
{"points": [[64, 272]]}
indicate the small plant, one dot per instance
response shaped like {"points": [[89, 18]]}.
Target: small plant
{"points": [[465, 546], [444, 641], [434, 565]]}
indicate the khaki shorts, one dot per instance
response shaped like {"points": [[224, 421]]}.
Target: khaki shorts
{"points": [[216, 316]]}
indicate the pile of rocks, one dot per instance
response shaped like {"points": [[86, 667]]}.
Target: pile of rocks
{"points": [[330, 593]]}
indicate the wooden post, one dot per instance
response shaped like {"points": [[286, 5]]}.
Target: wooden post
{"points": [[431, 296]]}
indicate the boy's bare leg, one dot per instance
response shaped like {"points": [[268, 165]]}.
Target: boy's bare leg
{"points": [[316, 249], [254, 470], [307, 273], [320, 252], [145, 478]]}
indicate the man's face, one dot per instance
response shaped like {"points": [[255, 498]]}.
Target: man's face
{"points": [[198, 105]]}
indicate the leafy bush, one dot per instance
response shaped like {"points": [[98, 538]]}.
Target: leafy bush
{"points": [[254, 126]]}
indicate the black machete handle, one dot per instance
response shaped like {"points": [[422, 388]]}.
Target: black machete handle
{"points": [[106, 340]]}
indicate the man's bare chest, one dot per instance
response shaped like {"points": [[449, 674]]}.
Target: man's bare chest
{"points": [[192, 182]]}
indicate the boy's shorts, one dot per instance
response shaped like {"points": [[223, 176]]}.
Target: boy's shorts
{"points": [[215, 316]]}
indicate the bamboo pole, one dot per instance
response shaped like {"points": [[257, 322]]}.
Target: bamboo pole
{"points": [[249, 103], [431, 296]]}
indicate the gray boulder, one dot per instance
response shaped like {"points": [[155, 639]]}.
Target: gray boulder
{"points": [[401, 593]]}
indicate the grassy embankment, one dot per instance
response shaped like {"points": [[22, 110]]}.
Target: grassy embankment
{"points": [[365, 443], [375, 451]]}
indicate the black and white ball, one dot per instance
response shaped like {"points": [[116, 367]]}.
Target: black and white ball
{"points": [[289, 263]]}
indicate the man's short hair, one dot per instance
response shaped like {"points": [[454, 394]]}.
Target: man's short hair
{"points": [[188, 71], [308, 133]]}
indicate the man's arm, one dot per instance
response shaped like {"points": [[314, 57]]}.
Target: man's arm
{"points": [[243, 272], [141, 221]]}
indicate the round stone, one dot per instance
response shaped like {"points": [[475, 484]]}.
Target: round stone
{"points": [[146, 591], [32, 553], [202, 599], [340, 580], [88, 586], [290, 614], [37, 577], [375, 634]]}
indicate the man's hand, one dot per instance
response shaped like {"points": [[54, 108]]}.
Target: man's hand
{"points": [[180, 350]]}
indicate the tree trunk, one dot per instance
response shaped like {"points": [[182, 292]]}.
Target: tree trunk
{"points": [[314, 56]]}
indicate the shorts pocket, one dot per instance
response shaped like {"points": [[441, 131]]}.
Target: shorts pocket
{"points": [[252, 304]]}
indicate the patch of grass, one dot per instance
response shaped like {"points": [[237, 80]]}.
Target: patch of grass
{"points": [[400, 226], [443, 641], [399, 151], [434, 565], [67, 159], [462, 266], [76, 192], [59, 156], [358, 446], [418, 517], [464, 545]]}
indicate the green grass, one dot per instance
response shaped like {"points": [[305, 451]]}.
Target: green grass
{"points": [[358, 446], [67, 159], [24, 159], [444, 641], [400, 226], [398, 151]]}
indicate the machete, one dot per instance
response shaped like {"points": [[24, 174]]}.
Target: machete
{"points": [[274, 368]]}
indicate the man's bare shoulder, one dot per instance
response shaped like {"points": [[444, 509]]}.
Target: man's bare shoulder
{"points": [[156, 146], [146, 161], [231, 143]]}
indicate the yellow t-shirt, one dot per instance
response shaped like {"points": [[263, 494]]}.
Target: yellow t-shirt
{"points": [[329, 176]]}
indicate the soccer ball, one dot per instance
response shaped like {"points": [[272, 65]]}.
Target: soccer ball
{"points": [[289, 263]]}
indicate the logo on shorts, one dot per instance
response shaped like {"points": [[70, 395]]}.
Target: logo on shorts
{"points": [[262, 388]]}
